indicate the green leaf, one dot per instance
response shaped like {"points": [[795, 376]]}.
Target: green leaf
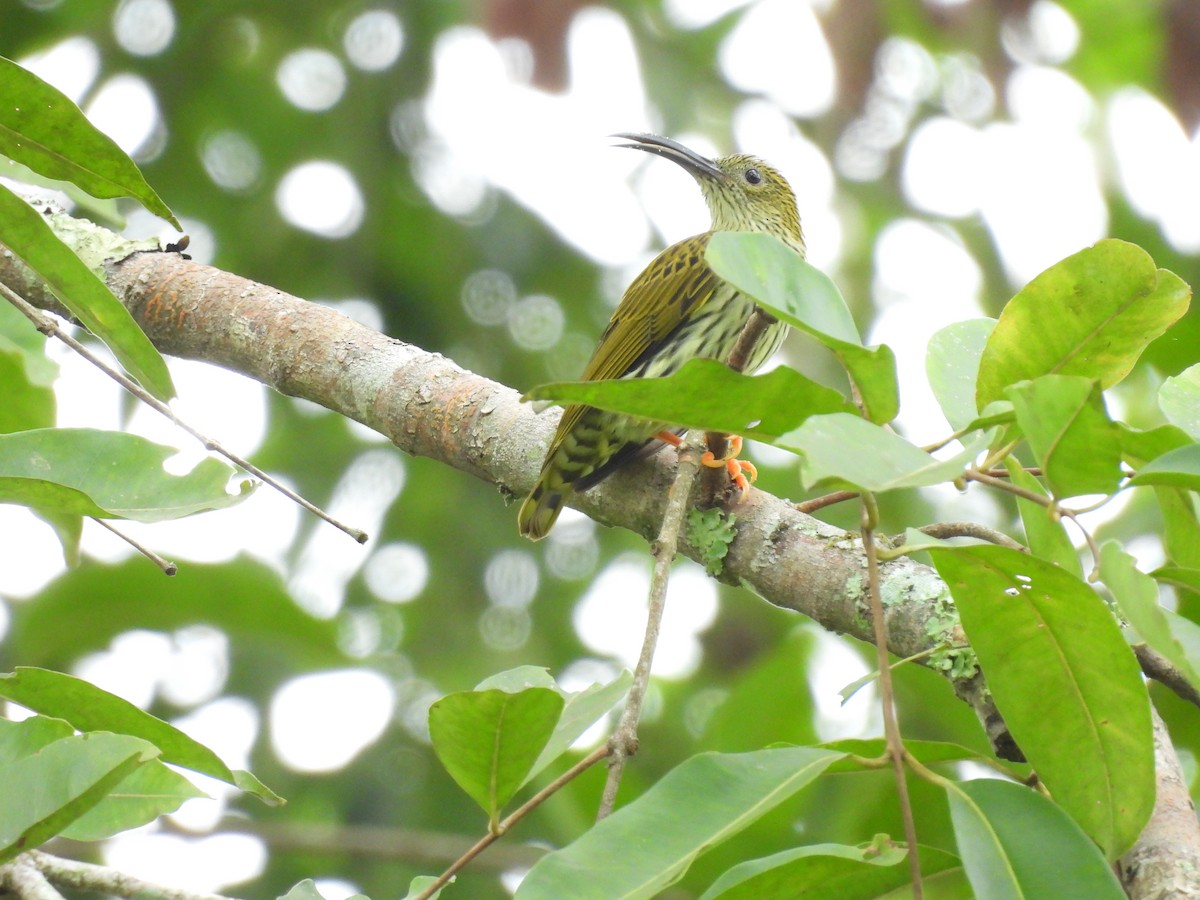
{"points": [[1178, 468], [1068, 429], [149, 791], [27, 375], [845, 451], [26, 737], [513, 681], [1045, 534], [41, 128], [61, 782], [1179, 399], [1065, 681], [88, 708], [1136, 594], [826, 870], [1005, 833], [489, 740], [707, 395], [952, 366], [1092, 314], [84, 294], [781, 281], [648, 844], [417, 887], [108, 474], [1181, 529], [580, 712], [307, 890], [581, 709], [1177, 576]]}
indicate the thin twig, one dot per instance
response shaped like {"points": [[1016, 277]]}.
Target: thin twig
{"points": [[103, 880], [891, 728], [168, 567], [517, 815], [1155, 665], [808, 507], [623, 742], [49, 327], [943, 530], [991, 481], [22, 879]]}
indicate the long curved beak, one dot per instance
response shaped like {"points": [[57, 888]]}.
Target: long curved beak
{"points": [[672, 150]]}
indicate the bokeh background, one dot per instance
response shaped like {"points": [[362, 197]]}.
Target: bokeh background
{"points": [[440, 170]]}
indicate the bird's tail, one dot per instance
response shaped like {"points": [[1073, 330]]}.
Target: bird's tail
{"points": [[540, 510]]}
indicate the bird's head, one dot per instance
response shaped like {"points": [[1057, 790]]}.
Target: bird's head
{"points": [[743, 192]]}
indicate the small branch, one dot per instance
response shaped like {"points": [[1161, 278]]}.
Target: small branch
{"points": [[22, 879], [103, 880], [891, 727], [624, 741], [983, 477], [168, 567], [1156, 666], [808, 507], [944, 530], [518, 814], [49, 327]]}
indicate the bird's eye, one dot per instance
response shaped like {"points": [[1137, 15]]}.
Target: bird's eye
{"points": [[753, 176]]}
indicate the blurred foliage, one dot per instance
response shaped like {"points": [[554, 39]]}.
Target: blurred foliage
{"points": [[411, 260]]}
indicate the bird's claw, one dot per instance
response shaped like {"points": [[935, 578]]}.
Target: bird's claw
{"points": [[741, 473]]}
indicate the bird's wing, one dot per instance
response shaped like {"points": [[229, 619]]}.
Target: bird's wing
{"points": [[676, 284]]}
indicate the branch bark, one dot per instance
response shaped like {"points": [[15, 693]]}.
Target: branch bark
{"points": [[1164, 861], [428, 406]]}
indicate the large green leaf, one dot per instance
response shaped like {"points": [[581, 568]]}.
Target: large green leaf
{"points": [[88, 708], [50, 789], [1068, 429], [707, 395], [846, 451], [648, 845], [150, 790], [41, 128], [1065, 681], [1005, 833], [1178, 468], [109, 474], [1092, 314], [952, 366], [826, 870], [781, 281], [28, 236], [489, 740]]}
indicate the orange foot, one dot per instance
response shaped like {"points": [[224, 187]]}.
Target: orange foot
{"points": [[741, 472]]}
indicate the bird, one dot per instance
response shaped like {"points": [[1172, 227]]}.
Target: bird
{"points": [[675, 310]]}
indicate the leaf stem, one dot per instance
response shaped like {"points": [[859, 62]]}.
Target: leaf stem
{"points": [[516, 816], [891, 728], [623, 742]]}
